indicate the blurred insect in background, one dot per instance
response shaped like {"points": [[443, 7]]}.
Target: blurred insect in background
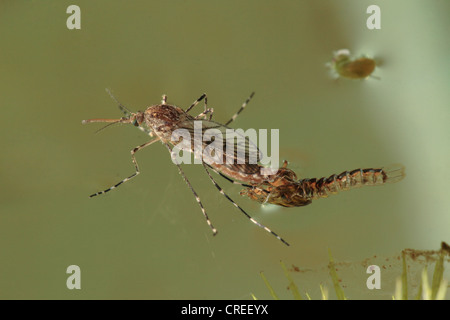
{"points": [[343, 65]]}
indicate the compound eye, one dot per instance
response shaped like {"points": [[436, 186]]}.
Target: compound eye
{"points": [[135, 123]]}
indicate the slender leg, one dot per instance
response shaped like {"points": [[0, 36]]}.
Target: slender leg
{"points": [[240, 110], [214, 230], [242, 210], [203, 96], [211, 110], [229, 179], [135, 165], [205, 113]]}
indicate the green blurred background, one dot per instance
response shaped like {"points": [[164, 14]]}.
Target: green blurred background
{"points": [[148, 239]]}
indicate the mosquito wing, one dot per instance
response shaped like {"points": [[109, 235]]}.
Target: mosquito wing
{"points": [[221, 145]]}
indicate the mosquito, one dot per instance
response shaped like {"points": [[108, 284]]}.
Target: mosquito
{"points": [[286, 191], [161, 120]]}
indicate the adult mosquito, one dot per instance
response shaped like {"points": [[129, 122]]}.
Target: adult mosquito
{"points": [[160, 121]]}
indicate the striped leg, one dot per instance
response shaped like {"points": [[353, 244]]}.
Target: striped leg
{"points": [[248, 186], [242, 210], [240, 110], [207, 110], [214, 230], [205, 113], [229, 179], [135, 166], [203, 96]]}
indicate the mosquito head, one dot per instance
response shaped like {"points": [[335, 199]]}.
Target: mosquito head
{"points": [[135, 119]]}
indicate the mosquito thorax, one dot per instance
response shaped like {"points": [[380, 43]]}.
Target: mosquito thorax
{"points": [[164, 119]]}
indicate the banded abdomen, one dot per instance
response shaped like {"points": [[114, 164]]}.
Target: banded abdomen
{"points": [[302, 192]]}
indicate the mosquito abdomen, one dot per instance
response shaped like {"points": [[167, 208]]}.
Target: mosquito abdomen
{"points": [[347, 180]]}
